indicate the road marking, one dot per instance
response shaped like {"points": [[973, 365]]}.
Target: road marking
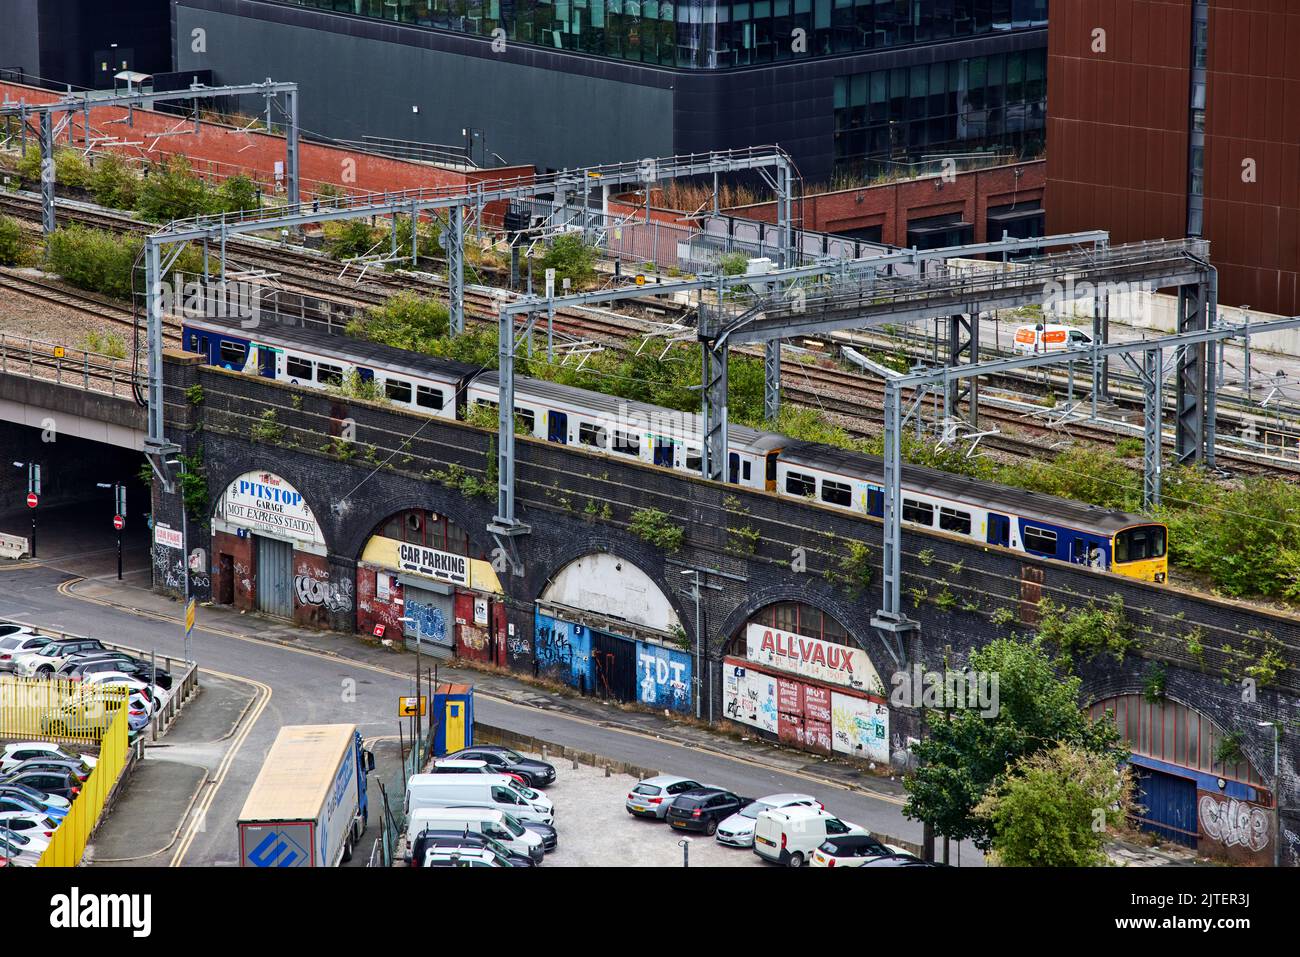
{"points": [[65, 590]]}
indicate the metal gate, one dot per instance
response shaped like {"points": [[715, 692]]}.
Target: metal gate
{"points": [[1170, 804], [274, 577], [613, 666]]}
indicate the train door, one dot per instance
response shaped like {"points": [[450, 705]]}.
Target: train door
{"points": [[733, 468], [266, 362], [999, 529], [876, 501], [366, 375], [769, 477], [664, 450], [557, 427]]}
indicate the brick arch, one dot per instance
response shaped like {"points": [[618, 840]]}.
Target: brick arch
{"points": [[852, 619]]}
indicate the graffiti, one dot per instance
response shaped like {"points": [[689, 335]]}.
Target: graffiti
{"points": [[860, 727], [168, 567], [334, 596], [665, 677], [518, 646], [553, 646], [1234, 822], [428, 622]]}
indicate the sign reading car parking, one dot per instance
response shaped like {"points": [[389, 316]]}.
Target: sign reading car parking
{"points": [[408, 706]]}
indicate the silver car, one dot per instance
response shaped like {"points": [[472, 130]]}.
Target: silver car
{"points": [[654, 796], [16, 640], [738, 830]]}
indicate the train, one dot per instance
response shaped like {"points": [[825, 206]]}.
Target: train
{"points": [[990, 514]]}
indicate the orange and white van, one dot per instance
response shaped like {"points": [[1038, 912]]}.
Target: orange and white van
{"points": [[1032, 340]]}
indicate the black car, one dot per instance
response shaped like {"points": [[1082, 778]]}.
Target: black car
{"points": [[548, 834], [451, 839], [700, 809], [78, 668], [538, 774], [51, 763], [58, 781]]}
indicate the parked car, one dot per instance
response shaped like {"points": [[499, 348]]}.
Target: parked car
{"points": [[47, 659], [55, 781], [75, 765], [498, 825], [20, 849], [15, 754], [450, 766], [23, 821], [493, 791], [18, 643], [654, 796], [703, 808], [901, 860], [463, 857], [536, 774], [738, 830], [88, 714], [78, 668], [55, 805], [143, 696], [850, 850], [790, 835], [451, 839]]}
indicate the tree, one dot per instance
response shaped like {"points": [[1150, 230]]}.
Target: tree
{"points": [[571, 258], [1055, 807], [966, 753], [113, 184], [170, 192], [11, 241]]}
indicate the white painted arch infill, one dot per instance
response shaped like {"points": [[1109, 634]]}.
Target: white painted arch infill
{"points": [[607, 586], [262, 503]]}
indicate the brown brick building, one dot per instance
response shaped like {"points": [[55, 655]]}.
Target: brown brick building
{"points": [[1182, 117]]}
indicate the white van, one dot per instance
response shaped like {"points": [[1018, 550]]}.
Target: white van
{"points": [[493, 791], [1036, 339], [789, 835], [498, 825]]}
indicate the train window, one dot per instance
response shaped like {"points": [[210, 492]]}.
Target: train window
{"points": [[1040, 540], [952, 520], [191, 342], [797, 483], [397, 390], [1140, 544], [591, 434], [918, 513], [627, 443], [525, 418], [233, 354], [694, 460], [298, 368], [836, 493], [327, 374], [427, 398], [745, 471]]}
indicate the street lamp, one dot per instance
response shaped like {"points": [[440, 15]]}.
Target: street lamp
{"points": [[695, 593], [185, 545], [419, 640], [1277, 796]]}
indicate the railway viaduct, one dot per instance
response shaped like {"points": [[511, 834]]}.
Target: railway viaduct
{"points": [[356, 464]]}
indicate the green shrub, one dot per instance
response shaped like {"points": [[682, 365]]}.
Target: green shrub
{"points": [[349, 239], [105, 262], [571, 259], [236, 194], [71, 168], [658, 528], [11, 241], [734, 264], [171, 191], [105, 344], [405, 321], [113, 183]]}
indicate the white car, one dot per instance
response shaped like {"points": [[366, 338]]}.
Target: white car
{"points": [[18, 640], [738, 830], [28, 824], [22, 849], [49, 658], [15, 754], [853, 850]]}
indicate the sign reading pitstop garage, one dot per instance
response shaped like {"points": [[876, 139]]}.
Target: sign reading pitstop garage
{"points": [[266, 504]]}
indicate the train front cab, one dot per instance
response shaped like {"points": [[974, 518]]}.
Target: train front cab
{"points": [[1141, 551]]}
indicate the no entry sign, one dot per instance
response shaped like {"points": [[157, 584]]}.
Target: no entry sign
{"points": [[32, 500], [119, 522]]}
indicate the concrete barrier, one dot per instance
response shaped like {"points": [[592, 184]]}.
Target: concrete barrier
{"points": [[11, 546]]}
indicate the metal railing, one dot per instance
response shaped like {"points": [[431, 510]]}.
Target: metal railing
{"points": [[37, 359]]}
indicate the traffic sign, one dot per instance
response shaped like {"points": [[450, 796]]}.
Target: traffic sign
{"points": [[58, 352], [119, 522], [407, 707], [189, 618], [640, 280], [32, 500]]}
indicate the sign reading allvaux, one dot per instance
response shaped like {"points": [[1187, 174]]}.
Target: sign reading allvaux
{"points": [[811, 657], [432, 563]]}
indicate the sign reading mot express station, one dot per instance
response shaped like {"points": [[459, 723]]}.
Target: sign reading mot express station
{"points": [[433, 563], [266, 504]]}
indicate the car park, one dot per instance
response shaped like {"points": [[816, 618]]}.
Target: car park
{"points": [[454, 839], [654, 796], [738, 829], [15, 754], [28, 848], [22, 822], [18, 643], [497, 825], [850, 850], [702, 809], [55, 781], [75, 766], [790, 835], [449, 766], [536, 774], [114, 662], [47, 659]]}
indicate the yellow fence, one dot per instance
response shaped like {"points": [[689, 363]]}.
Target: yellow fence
{"points": [[69, 841], [61, 710]]}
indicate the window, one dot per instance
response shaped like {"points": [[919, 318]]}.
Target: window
{"points": [[836, 493], [1140, 544], [1040, 540], [525, 417], [428, 398], [504, 796], [745, 471], [627, 443], [836, 826], [329, 375], [591, 434], [397, 390], [233, 354], [797, 483], [298, 368], [918, 513], [694, 460], [952, 520]]}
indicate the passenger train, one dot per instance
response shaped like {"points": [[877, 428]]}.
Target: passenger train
{"points": [[984, 512]]}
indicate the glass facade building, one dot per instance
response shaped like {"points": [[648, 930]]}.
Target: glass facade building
{"points": [[708, 34]]}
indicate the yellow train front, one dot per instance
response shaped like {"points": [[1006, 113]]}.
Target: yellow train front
{"points": [[1141, 551]]}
